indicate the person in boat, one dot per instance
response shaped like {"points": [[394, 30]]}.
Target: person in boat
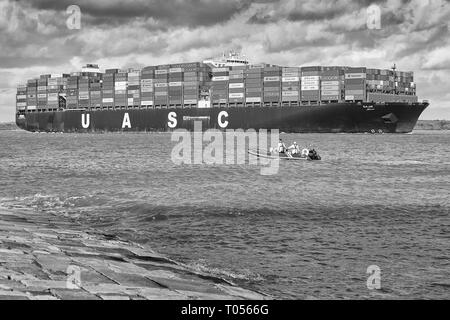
{"points": [[281, 147], [294, 149], [313, 155]]}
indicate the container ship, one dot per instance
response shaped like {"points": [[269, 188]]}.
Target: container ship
{"points": [[223, 93]]}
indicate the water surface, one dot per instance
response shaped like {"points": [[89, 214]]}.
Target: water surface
{"points": [[310, 231]]}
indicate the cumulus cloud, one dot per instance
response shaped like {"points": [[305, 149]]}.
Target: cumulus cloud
{"points": [[414, 34], [175, 12]]}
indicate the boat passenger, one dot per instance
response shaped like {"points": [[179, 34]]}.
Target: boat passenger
{"points": [[313, 155], [281, 146], [294, 149]]}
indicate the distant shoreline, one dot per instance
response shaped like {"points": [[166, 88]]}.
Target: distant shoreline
{"points": [[421, 125], [8, 126], [432, 125]]}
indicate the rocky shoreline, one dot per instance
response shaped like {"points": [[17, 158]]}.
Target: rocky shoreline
{"points": [[47, 257]]}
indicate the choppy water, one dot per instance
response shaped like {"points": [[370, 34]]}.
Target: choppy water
{"points": [[309, 232]]}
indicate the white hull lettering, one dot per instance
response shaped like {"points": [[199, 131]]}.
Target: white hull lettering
{"points": [[172, 123], [85, 120], [126, 123], [222, 124]]}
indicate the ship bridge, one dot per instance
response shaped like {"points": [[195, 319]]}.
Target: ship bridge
{"points": [[90, 68], [232, 59]]}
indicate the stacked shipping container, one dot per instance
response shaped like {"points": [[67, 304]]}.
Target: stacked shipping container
{"points": [[404, 83], [147, 86], [220, 85], [120, 89], [108, 80], [134, 88], [290, 85], [383, 97], [331, 84], [181, 85], [236, 86], [310, 84], [32, 94], [72, 92], [83, 92], [176, 86], [355, 84], [56, 86], [194, 78], [21, 98], [253, 81], [162, 86], [42, 92], [374, 81], [95, 94], [272, 85]]}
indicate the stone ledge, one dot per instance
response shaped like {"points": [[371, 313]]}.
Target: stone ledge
{"points": [[69, 261]]}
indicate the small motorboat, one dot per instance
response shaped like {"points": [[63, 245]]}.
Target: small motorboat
{"points": [[310, 155]]}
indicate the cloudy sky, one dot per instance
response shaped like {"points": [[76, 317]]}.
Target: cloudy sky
{"points": [[35, 38]]}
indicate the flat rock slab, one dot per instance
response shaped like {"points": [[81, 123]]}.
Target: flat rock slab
{"points": [[48, 257]]}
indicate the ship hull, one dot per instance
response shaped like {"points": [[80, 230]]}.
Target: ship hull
{"points": [[329, 118]]}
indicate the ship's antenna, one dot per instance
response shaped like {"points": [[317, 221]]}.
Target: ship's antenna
{"points": [[394, 69]]}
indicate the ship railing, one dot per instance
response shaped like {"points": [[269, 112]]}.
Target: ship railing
{"points": [[271, 103], [354, 101], [220, 105], [290, 103], [253, 104], [236, 105], [46, 109], [309, 103], [76, 109], [328, 101], [312, 102]]}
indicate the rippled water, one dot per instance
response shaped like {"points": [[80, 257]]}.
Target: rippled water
{"points": [[309, 232]]}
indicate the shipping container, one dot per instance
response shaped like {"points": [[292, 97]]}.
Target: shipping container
{"points": [[290, 93], [290, 69], [355, 76], [220, 78], [354, 92], [190, 101], [290, 79], [253, 99], [147, 101], [311, 69]]}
